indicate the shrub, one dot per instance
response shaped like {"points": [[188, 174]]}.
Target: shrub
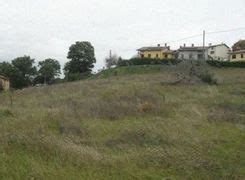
{"points": [[77, 76], [208, 78], [240, 64]]}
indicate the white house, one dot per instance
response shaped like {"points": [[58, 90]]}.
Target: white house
{"points": [[219, 52], [192, 52]]}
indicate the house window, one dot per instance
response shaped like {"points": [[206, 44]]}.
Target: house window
{"points": [[156, 55], [149, 55], [242, 56], [211, 52], [182, 56], [190, 56], [142, 56], [200, 56], [233, 56], [166, 56]]}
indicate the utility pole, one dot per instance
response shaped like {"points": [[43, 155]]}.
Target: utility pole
{"points": [[110, 54], [204, 45]]}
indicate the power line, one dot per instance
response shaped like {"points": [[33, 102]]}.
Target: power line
{"points": [[230, 30], [198, 35], [208, 33], [189, 37]]}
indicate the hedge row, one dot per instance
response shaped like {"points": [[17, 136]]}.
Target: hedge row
{"points": [[146, 61], [227, 63]]}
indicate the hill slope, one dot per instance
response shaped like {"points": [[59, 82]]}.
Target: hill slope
{"points": [[137, 126]]}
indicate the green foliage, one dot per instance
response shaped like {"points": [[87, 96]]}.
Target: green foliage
{"points": [[238, 64], [77, 76], [48, 70], [25, 65], [27, 70], [21, 71], [146, 61], [82, 59], [8, 70]]}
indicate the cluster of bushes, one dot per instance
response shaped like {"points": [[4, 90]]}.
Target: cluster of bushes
{"points": [[150, 61], [227, 63], [146, 61]]}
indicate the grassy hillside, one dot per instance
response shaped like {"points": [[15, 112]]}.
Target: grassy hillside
{"points": [[132, 124]]}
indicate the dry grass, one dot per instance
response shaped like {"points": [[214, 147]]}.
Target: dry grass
{"points": [[126, 127]]}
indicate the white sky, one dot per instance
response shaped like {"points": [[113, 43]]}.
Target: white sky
{"points": [[46, 28]]}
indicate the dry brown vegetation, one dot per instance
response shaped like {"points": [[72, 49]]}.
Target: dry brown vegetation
{"points": [[127, 126]]}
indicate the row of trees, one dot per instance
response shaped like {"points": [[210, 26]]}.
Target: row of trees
{"points": [[22, 71]]}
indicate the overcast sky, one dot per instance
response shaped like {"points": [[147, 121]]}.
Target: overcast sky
{"points": [[46, 28]]}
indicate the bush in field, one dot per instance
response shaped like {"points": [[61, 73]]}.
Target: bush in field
{"points": [[77, 76], [208, 78]]}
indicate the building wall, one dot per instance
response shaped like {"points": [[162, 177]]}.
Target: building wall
{"points": [[191, 55], [156, 54], [5, 84], [237, 57], [220, 53]]}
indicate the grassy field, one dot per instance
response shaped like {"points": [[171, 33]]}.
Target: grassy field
{"points": [[126, 123]]}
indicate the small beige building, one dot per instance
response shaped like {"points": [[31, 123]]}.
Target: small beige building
{"points": [[156, 52], [237, 55], [4, 83]]}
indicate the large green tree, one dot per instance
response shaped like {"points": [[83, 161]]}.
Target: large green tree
{"points": [[49, 69], [26, 68], [82, 59]]}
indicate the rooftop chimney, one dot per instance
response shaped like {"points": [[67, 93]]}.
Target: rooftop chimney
{"points": [[165, 44], [192, 45], [184, 45], [158, 45], [210, 44]]}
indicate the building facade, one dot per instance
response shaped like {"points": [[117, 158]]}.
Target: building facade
{"points": [[219, 52], [4, 83], [237, 55], [192, 53], [238, 51], [159, 52]]}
